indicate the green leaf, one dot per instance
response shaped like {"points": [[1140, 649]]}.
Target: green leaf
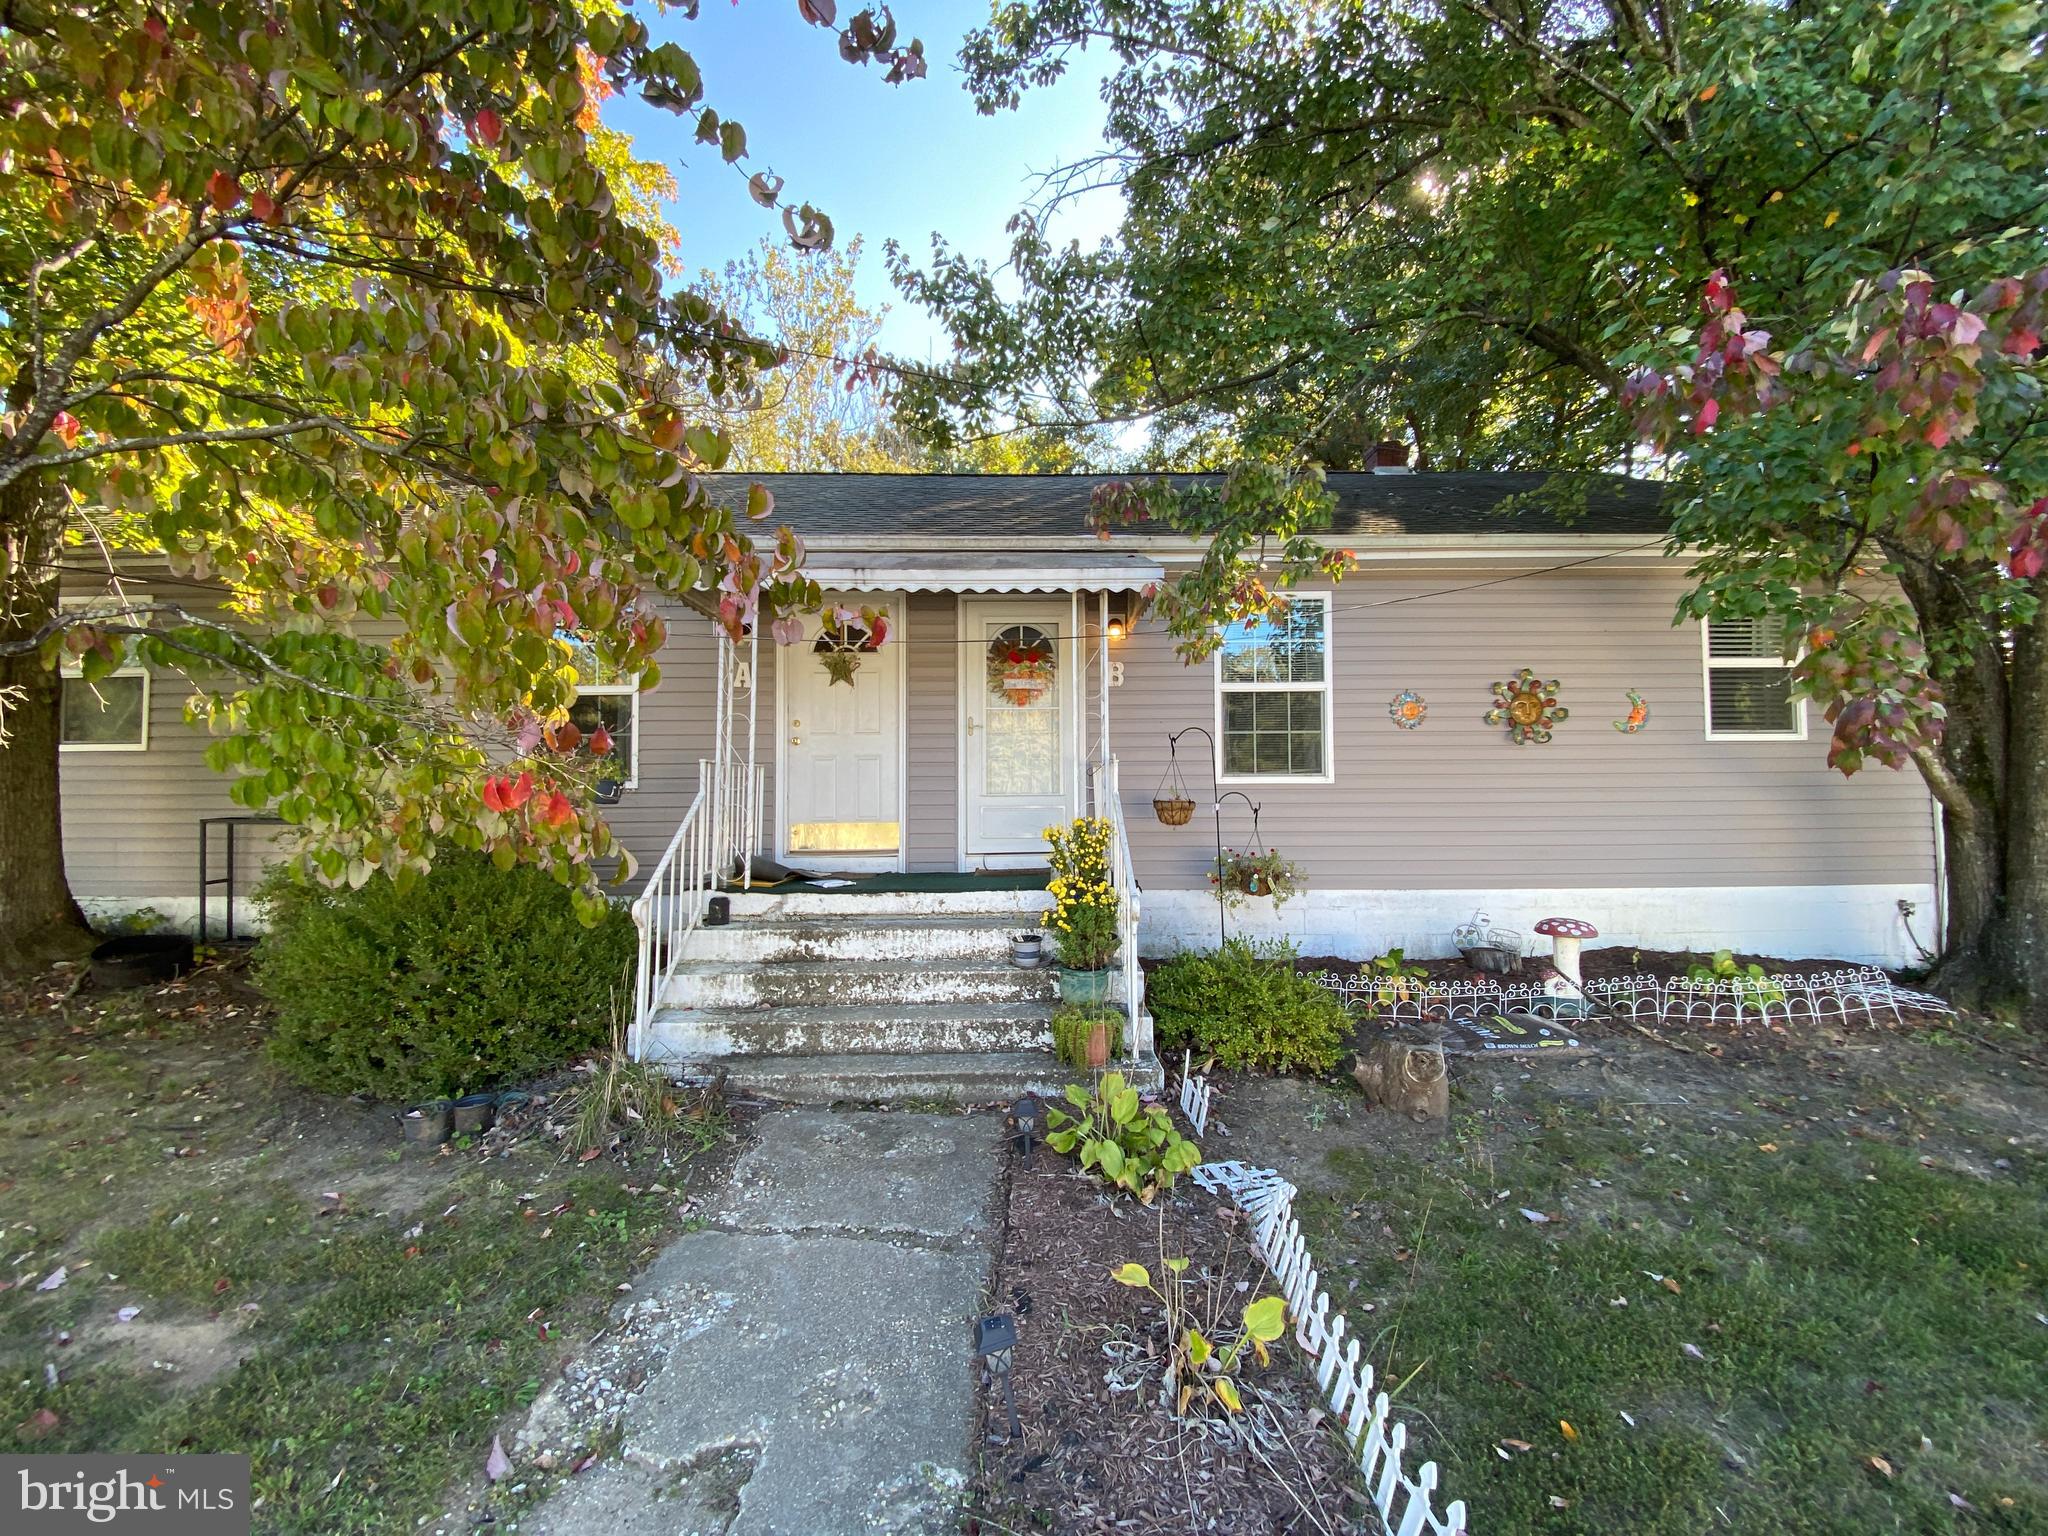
{"points": [[1111, 1156], [1199, 1347], [1132, 1274], [1266, 1318], [1123, 1107], [1226, 1394]]}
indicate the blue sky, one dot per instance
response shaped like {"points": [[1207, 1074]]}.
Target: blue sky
{"points": [[883, 161]]}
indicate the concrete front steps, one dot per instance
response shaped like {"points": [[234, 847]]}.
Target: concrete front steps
{"points": [[822, 996]]}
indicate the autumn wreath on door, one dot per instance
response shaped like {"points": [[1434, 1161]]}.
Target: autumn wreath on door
{"points": [[1020, 665]]}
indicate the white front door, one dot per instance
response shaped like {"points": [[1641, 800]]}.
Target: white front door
{"points": [[840, 757], [1017, 723]]}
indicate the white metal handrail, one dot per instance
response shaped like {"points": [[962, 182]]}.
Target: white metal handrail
{"points": [[718, 834], [1123, 880]]}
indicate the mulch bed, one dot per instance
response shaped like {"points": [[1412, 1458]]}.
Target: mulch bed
{"points": [[1098, 1452]]}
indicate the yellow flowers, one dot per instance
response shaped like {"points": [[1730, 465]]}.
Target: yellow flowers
{"points": [[1084, 911]]}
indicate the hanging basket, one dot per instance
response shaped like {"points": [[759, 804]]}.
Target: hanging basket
{"points": [[1173, 810]]}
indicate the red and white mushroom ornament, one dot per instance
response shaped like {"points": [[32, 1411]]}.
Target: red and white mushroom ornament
{"points": [[1567, 936]]}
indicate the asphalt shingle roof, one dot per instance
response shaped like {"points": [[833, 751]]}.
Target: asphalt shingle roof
{"points": [[1055, 506]]}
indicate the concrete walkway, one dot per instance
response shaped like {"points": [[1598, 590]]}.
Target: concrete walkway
{"points": [[800, 1367]]}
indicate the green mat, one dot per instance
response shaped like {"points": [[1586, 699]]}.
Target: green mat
{"points": [[921, 884]]}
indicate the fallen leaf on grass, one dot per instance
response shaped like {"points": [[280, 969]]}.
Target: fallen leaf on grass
{"points": [[1569, 1432], [1694, 1351], [593, 1152], [1878, 1464], [220, 1286], [55, 1278], [497, 1464], [1961, 1503], [1626, 1417], [1558, 1503], [128, 1314], [1671, 1285], [37, 1424], [1767, 1146], [1536, 1216], [1516, 1445]]}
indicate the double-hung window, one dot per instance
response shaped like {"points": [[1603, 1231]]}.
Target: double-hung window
{"points": [[1273, 694], [109, 714], [1749, 681], [609, 699]]}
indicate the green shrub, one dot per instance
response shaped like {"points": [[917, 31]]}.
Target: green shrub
{"points": [[1246, 1006], [472, 978]]}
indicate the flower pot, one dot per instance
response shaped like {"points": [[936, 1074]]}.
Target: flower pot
{"points": [[429, 1124], [1174, 811], [1027, 950], [1098, 1046], [1084, 986], [474, 1112]]}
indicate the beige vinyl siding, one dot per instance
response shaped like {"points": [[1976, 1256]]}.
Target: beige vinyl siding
{"points": [[131, 819], [932, 630], [1454, 805]]}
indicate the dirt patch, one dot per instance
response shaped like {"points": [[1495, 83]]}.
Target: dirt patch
{"points": [[1099, 1451]]}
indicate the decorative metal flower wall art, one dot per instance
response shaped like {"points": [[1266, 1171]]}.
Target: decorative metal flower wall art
{"points": [[1528, 707], [1408, 709], [1637, 717]]}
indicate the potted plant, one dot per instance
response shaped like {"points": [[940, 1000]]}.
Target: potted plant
{"points": [[1239, 876], [1086, 1035], [1083, 918]]}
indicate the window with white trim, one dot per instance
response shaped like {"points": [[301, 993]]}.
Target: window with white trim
{"points": [[607, 699], [108, 714], [1749, 681], [1273, 694]]}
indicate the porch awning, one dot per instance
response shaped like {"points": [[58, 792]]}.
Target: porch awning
{"points": [[982, 571]]}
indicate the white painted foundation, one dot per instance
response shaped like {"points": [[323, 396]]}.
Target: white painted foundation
{"points": [[180, 914], [1857, 923]]}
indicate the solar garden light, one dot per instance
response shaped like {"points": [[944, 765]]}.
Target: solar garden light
{"points": [[994, 1337], [1028, 1114]]}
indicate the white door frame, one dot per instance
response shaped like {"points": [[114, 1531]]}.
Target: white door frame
{"points": [[874, 864], [970, 685]]}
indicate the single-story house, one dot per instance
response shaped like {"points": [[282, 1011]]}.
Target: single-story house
{"points": [[1683, 804]]}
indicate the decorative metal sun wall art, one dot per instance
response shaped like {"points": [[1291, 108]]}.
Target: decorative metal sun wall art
{"points": [[1528, 707], [1637, 717], [1408, 709]]}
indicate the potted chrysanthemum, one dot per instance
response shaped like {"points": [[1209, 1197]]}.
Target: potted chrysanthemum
{"points": [[1083, 918]]}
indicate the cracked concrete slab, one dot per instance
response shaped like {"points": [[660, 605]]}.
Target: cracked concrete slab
{"points": [[901, 1175], [818, 1382]]}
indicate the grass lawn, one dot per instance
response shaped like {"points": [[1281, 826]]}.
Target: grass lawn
{"points": [[1790, 1295], [358, 1318]]}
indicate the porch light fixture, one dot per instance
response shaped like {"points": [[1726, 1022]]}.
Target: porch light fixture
{"points": [[995, 1336]]}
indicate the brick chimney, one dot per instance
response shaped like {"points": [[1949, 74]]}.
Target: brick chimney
{"points": [[1390, 457]]}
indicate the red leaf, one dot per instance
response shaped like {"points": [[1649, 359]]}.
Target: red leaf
{"points": [[264, 206], [568, 736], [2026, 563], [65, 425], [2021, 342], [494, 795], [154, 25], [516, 792], [1709, 413], [223, 191], [490, 127], [220, 1286], [37, 1424], [1937, 432], [819, 13], [558, 812]]}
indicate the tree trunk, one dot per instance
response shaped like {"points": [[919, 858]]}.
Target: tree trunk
{"points": [[39, 921], [1995, 822]]}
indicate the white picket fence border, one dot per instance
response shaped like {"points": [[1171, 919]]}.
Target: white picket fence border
{"points": [[1195, 1094], [1405, 1503]]}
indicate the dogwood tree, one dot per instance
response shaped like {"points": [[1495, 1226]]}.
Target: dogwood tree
{"points": [[355, 314], [1468, 223]]}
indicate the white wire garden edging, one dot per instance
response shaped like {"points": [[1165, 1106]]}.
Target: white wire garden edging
{"points": [[1834, 996], [1405, 1503], [1195, 1095]]}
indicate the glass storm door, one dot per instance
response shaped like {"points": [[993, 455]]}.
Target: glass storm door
{"points": [[1017, 725], [842, 753]]}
